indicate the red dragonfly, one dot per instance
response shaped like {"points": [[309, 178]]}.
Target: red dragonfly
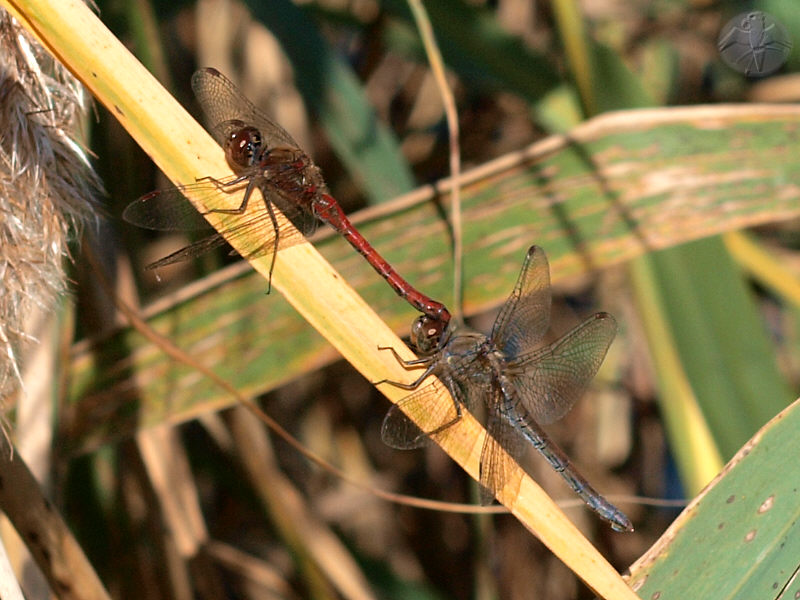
{"points": [[264, 156]]}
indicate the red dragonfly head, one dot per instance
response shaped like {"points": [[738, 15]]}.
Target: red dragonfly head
{"points": [[243, 147]]}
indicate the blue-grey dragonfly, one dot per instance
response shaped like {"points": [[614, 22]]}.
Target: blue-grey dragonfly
{"points": [[521, 383]]}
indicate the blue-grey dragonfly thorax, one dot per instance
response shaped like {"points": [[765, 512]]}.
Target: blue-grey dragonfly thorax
{"points": [[472, 356]]}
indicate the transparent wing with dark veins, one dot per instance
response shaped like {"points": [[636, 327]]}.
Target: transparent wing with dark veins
{"points": [[399, 431], [495, 467], [223, 105], [525, 316], [549, 381], [256, 235], [170, 210]]}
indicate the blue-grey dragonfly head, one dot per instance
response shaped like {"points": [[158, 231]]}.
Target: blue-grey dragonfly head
{"points": [[427, 333]]}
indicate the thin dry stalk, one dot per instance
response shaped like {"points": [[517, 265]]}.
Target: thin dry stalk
{"points": [[57, 553], [451, 114]]}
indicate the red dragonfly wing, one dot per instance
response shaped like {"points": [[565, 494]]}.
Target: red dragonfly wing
{"points": [[169, 210], [224, 105]]}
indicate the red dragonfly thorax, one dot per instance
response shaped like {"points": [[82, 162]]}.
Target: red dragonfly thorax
{"points": [[287, 169]]}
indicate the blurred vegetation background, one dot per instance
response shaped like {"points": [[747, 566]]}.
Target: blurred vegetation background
{"points": [[174, 493]]}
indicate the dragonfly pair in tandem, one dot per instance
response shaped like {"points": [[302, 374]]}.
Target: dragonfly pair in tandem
{"points": [[519, 383]]}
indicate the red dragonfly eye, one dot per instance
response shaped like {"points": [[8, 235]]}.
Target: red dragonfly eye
{"points": [[243, 147]]}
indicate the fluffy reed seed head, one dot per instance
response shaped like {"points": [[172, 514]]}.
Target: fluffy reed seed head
{"points": [[47, 187]]}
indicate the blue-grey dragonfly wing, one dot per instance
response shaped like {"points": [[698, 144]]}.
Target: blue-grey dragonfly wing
{"points": [[549, 381], [525, 316], [496, 468], [399, 431]]}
